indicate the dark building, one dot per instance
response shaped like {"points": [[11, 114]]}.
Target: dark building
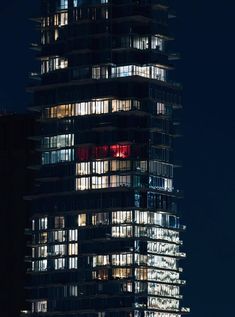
{"points": [[105, 224], [16, 153]]}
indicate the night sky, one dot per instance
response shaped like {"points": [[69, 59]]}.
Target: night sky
{"points": [[204, 31]]}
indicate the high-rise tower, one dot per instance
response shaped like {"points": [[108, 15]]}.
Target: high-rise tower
{"points": [[105, 229]]}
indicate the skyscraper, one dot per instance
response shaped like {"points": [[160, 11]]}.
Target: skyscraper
{"points": [[105, 226]]}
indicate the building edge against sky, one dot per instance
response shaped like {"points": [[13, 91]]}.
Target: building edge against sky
{"points": [[105, 223]]}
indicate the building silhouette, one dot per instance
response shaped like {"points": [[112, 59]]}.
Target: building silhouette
{"points": [[16, 180], [105, 224]]}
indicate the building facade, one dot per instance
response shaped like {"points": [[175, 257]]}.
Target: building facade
{"points": [[105, 225]]}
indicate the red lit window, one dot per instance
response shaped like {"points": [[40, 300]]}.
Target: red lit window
{"points": [[101, 151], [83, 153], [121, 151]]}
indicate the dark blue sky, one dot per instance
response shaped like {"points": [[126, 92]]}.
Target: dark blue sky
{"points": [[205, 34]]}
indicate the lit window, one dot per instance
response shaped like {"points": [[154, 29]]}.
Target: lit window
{"points": [[73, 263], [121, 217], [124, 105], [100, 260], [161, 183], [100, 72], [58, 141], [53, 157], [42, 237], [163, 303], [59, 264], [117, 165], [59, 236], [82, 220], [122, 232], [127, 287], [62, 4], [39, 307], [100, 182], [73, 290], [141, 274], [120, 151], [40, 265], [122, 273], [83, 183], [83, 168], [101, 274], [101, 218], [73, 248], [73, 235], [59, 249], [100, 167], [120, 180], [61, 111], [43, 223], [51, 64], [122, 259], [42, 252]]}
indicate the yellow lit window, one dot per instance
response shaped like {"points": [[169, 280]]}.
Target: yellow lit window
{"points": [[82, 220]]}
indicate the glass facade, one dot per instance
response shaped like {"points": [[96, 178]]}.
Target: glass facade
{"points": [[105, 225]]}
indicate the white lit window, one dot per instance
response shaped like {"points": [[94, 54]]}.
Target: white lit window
{"points": [[83, 168], [41, 265], [73, 290], [117, 165], [58, 141], [53, 63], [120, 180], [59, 236], [92, 107], [163, 303], [53, 157], [73, 263], [100, 72], [100, 167], [59, 249], [83, 183], [62, 5], [42, 252], [153, 72], [122, 259], [122, 232], [100, 260], [141, 42], [101, 218], [73, 235], [100, 182], [39, 306], [121, 217], [161, 109], [59, 264], [43, 223]]}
